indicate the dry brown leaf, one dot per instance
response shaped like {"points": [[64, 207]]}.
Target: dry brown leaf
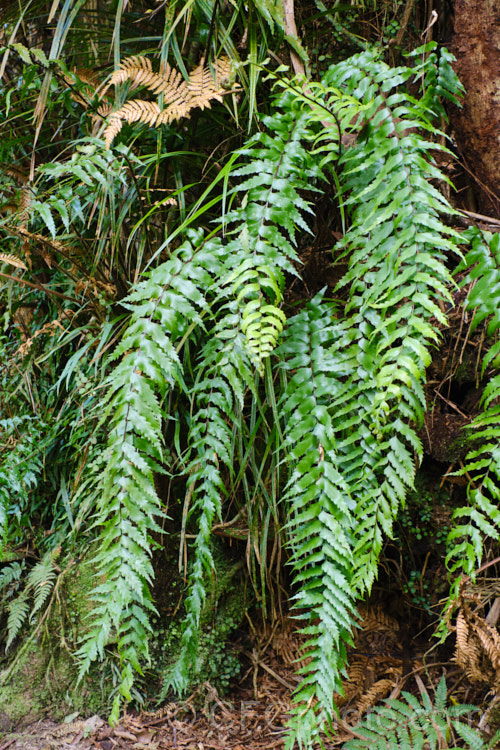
{"points": [[12, 260], [377, 692]]}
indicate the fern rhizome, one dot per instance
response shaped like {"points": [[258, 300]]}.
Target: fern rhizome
{"points": [[210, 327]]}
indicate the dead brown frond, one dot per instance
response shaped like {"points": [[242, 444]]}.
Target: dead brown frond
{"points": [[179, 97], [354, 685], [137, 110], [477, 643], [12, 260], [377, 692], [96, 287], [50, 328], [375, 618]]}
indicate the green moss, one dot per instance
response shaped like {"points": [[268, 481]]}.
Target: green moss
{"points": [[223, 612], [41, 676]]}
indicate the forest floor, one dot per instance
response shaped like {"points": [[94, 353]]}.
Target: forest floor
{"points": [[253, 715]]}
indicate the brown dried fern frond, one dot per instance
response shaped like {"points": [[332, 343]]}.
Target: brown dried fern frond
{"points": [[179, 97], [375, 618], [137, 110], [377, 692], [12, 260], [490, 641], [136, 69], [354, 685], [203, 87], [477, 649]]}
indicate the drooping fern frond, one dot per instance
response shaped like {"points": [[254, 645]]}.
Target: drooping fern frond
{"points": [[178, 96], [164, 306], [414, 725], [320, 508], [480, 518], [264, 226], [396, 248], [224, 369], [371, 366], [37, 589]]}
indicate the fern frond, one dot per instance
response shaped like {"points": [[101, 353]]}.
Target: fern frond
{"points": [[12, 260], [9, 575], [18, 614], [480, 518], [137, 110], [320, 510], [396, 246], [265, 225], [136, 69], [178, 96], [163, 305], [414, 725], [40, 580], [224, 369]]}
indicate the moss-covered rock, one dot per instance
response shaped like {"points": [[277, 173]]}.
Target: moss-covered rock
{"points": [[40, 677]]}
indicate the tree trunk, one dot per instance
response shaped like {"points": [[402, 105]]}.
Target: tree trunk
{"points": [[476, 45]]}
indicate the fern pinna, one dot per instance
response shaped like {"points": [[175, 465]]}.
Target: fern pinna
{"points": [[354, 373]]}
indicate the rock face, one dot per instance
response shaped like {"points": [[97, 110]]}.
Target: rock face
{"points": [[476, 45]]}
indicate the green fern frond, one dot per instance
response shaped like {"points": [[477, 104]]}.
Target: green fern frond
{"points": [[18, 614], [164, 306], [480, 518], [396, 246], [320, 508], [10, 574], [278, 167], [414, 725], [41, 579], [225, 369]]}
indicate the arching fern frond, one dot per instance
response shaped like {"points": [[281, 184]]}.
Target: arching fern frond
{"points": [[178, 96], [414, 725], [37, 589]]}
